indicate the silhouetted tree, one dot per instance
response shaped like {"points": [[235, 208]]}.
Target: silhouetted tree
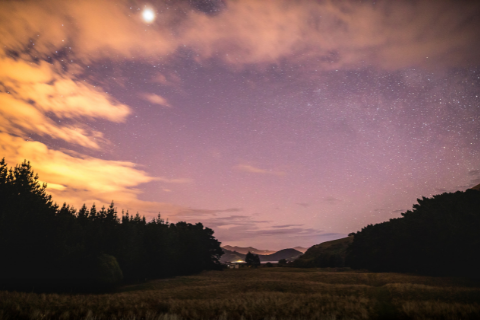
{"points": [[41, 243], [252, 259]]}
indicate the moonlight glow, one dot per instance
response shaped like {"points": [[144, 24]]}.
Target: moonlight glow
{"points": [[148, 15]]}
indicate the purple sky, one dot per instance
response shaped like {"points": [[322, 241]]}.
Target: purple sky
{"points": [[276, 123]]}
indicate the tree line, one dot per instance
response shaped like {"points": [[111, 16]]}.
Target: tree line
{"points": [[439, 236], [44, 245]]}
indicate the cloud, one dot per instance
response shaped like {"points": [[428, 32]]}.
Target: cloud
{"points": [[31, 90], [156, 99], [167, 180], [332, 200], [474, 182], [246, 231], [303, 204], [79, 180], [287, 226], [196, 212], [170, 79], [474, 172], [42, 100], [293, 232], [339, 34], [95, 29], [22, 119], [252, 169], [329, 34]]}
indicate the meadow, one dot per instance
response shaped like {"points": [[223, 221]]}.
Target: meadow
{"points": [[263, 293]]}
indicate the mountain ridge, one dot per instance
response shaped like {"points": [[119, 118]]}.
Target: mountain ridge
{"points": [[245, 250], [288, 254]]}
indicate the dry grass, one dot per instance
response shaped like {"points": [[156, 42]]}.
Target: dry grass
{"points": [[267, 293]]}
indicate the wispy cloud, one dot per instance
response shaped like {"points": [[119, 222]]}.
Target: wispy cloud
{"points": [[303, 204], [332, 200], [174, 180], [198, 212], [474, 173], [32, 90], [287, 226], [252, 169], [156, 99]]}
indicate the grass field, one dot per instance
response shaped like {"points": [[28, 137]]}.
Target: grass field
{"points": [[265, 293]]}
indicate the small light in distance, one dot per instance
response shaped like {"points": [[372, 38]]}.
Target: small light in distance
{"points": [[148, 15]]}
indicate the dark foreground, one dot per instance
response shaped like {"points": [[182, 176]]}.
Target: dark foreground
{"points": [[266, 293]]}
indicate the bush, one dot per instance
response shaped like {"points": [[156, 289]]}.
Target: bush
{"points": [[108, 272]]}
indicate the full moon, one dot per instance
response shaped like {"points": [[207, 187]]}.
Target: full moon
{"points": [[148, 15]]}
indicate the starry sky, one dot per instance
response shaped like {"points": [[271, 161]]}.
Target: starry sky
{"points": [[275, 123]]}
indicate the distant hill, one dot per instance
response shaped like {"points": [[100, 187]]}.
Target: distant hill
{"points": [[288, 254], [301, 249], [245, 250], [230, 256], [476, 187], [326, 254]]}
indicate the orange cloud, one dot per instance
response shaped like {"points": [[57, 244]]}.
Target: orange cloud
{"points": [[328, 34], [336, 34], [95, 29], [156, 99], [252, 169], [78, 180], [54, 91], [21, 118], [33, 89]]}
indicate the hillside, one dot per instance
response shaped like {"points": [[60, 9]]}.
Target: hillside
{"points": [[229, 256], [288, 254], [301, 249], [326, 254], [245, 250]]}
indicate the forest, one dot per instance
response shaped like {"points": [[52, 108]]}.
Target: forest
{"points": [[44, 246], [439, 236]]}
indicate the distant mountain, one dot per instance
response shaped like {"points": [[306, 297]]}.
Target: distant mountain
{"points": [[245, 250], [230, 256], [325, 254], [288, 254], [301, 249]]}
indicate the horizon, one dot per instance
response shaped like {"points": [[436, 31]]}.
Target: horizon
{"points": [[276, 124]]}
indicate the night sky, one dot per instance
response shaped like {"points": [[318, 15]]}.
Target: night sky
{"points": [[275, 123]]}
